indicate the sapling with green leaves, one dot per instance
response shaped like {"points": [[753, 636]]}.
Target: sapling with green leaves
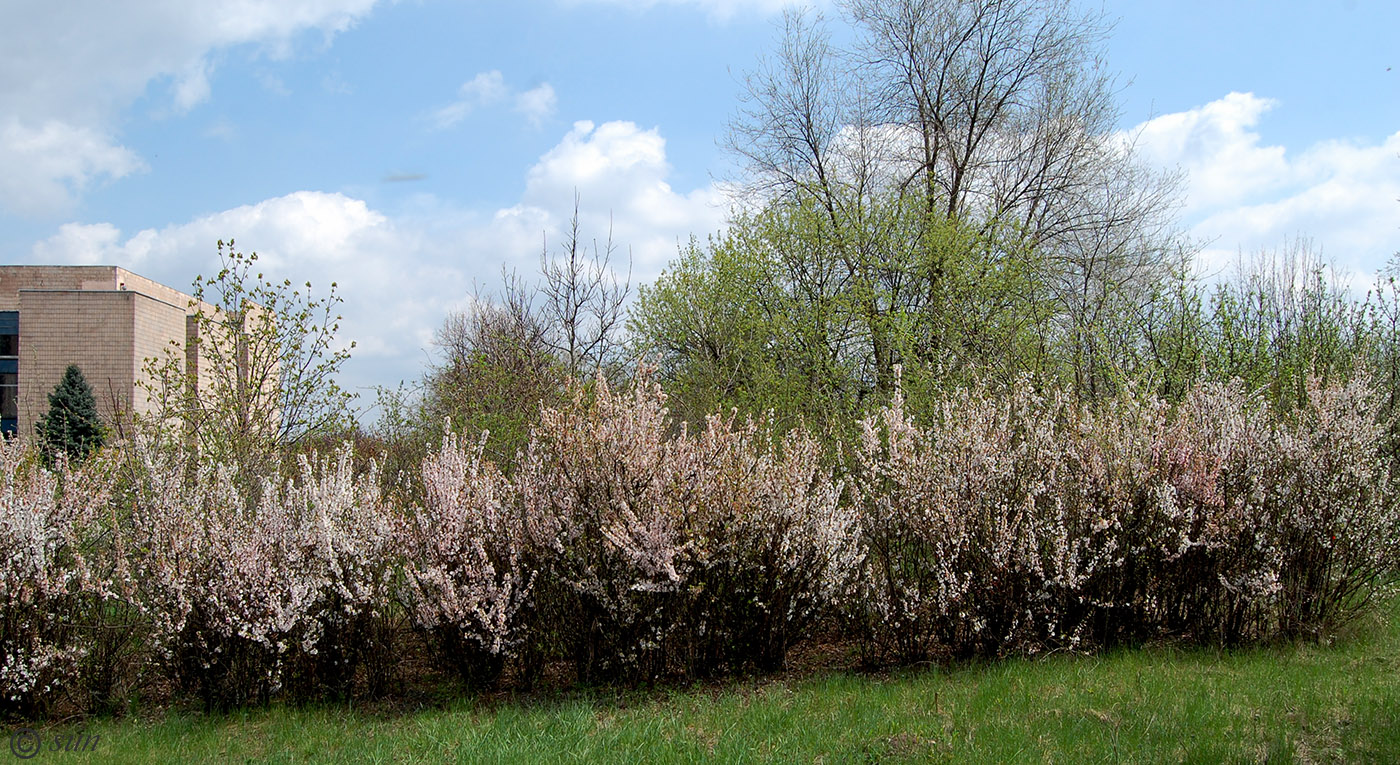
{"points": [[257, 377]]}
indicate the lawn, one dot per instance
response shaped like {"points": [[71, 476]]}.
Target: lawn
{"points": [[1309, 702]]}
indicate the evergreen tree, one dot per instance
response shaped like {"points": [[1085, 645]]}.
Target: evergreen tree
{"points": [[72, 425]]}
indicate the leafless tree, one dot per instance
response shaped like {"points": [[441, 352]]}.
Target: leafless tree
{"points": [[496, 368], [509, 352], [583, 300]]}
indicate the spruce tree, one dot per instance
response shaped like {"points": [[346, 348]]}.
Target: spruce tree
{"points": [[72, 425]]}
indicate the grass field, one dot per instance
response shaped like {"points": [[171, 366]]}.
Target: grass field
{"points": [[1307, 703]]}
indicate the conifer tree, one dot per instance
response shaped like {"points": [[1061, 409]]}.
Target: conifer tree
{"points": [[72, 425]]}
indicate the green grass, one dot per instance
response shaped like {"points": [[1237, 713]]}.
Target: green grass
{"points": [[1306, 703]]}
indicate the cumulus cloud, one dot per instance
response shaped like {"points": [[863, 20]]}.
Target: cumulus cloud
{"points": [[107, 53], [316, 226], [402, 273], [67, 69], [395, 285], [46, 166], [488, 89], [619, 172], [1219, 147], [1245, 194]]}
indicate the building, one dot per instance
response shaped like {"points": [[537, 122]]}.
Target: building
{"points": [[105, 319]]}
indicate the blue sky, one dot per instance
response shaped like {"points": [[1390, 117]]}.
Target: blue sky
{"points": [[408, 150]]}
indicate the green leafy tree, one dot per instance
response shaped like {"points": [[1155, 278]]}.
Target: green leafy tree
{"points": [[732, 326], [72, 425], [257, 375], [952, 183], [808, 316], [498, 366]]}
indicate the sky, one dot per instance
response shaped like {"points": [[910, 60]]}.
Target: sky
{"points": [[409, 151]]}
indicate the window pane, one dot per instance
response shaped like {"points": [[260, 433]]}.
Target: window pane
{"points": [[9, 345], [9, 402]]}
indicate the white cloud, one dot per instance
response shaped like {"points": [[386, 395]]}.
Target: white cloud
{"points": [[47, 166], [537, 104], [76, 64], [1218, 145], [314, 225], [485, 88], [192, 87], [402, 274], [1247, 195], [488, 89], [482, 90], [87, 58], [619, 173]]}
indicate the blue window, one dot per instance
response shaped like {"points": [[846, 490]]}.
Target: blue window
{"points": [[9, 372]]}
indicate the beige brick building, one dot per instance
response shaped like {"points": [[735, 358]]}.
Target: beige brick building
{"points": [[105, 319]]}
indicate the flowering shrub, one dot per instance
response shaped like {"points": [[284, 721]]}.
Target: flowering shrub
{"points": [[635, 548], [238, 590], [1021, 522], [467, 583], [606, 497], [975, 530], [1255, 525], [226, 585], [48, 533], [1200, 559], [679, 553], [773, 547], [350, 536], [1332, 504]]}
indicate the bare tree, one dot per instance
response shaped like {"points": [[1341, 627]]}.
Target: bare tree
{"points": [[497, 366], [508, 353], [583, 300], [949, 117], [1120, 242]]}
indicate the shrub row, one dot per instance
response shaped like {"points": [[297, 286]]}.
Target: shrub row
{"points": [[1023, 522], [634, 548]]}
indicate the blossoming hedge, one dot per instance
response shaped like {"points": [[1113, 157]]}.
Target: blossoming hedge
{"points": [[634, 548]]}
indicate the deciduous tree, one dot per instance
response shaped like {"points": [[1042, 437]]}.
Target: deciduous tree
{"points": [[257, 374], [961, 186]]}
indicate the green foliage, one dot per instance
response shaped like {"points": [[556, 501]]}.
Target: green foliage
{"points": [[948, 196], [722, 340], [1283, 316], [498, 369], [72, 425], [259, 375], [1283, 320], [809, 314]]}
